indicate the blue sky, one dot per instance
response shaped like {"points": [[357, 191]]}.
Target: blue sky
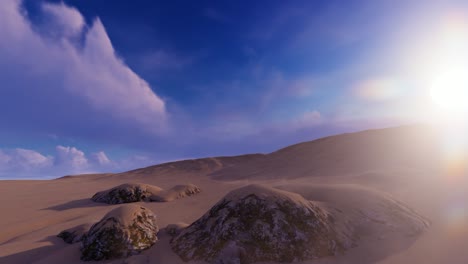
{"points": [[90, 86]]}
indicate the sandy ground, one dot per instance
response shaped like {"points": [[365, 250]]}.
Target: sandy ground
{"points": [[34, 212]]}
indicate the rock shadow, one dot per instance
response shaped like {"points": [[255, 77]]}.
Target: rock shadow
{"points": [[80, 203]]}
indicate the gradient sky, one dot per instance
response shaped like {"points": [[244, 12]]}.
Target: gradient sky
{"points": [[92, 86]]}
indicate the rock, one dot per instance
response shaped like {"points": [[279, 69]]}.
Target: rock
{"points": [[175, 229], [124, 231], [126, 193], [176, 192], [257, 223], [75, 234]]}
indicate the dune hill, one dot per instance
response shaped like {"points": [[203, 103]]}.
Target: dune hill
{"points": [[198, 165], [408, 147], [412, 147]]}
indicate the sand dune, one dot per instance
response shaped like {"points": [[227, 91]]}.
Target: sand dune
{"points": [[347, 154], [391, 172], [202, 166]]}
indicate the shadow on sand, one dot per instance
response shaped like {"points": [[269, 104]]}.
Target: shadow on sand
{"points": [[32, 255], [81, 203]]}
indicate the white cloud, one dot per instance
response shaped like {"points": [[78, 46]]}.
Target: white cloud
{"points": [[100, 158], [69, 19], [31, 158], [71, 157], [109, 84], [23, 160], [56, 71], [26, 163]]}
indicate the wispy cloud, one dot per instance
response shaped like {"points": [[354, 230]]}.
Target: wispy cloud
{"points": [[164, 60]]}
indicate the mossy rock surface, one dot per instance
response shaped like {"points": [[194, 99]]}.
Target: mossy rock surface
{"points": [[74, 234], [123, 232], [257, 223]]}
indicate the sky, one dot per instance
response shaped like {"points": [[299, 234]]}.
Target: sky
{"points": [[94, 86]]}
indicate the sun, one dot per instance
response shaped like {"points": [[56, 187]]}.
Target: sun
{"points": [[450, 90]]}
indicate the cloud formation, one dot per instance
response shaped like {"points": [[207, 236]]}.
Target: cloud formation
{"points": [[27, 163], [68, 19], [20, 162], [23, 159], [70, 79], [71, 157], [101, 158]]}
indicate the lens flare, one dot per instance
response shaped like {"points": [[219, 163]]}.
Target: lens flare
{"points": [[454, 150]]}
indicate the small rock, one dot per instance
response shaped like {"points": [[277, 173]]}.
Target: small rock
{"points": [[124, 231], [176, 192], [75, 234], [126, 193]]}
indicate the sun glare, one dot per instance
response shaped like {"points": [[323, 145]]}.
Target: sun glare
{"points": [[450, 91]]}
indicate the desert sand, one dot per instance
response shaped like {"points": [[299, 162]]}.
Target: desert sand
{"points": [[404, 164]]}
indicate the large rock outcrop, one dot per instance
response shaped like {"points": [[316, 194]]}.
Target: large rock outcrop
{"points": [[257, 223], [126, 193], [124, 231]]}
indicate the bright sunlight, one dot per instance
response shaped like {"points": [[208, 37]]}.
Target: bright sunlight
{"points": [[450, 90]]}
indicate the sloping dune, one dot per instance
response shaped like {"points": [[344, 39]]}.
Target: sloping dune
{"points": [[191, 166], [347, 154]]}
